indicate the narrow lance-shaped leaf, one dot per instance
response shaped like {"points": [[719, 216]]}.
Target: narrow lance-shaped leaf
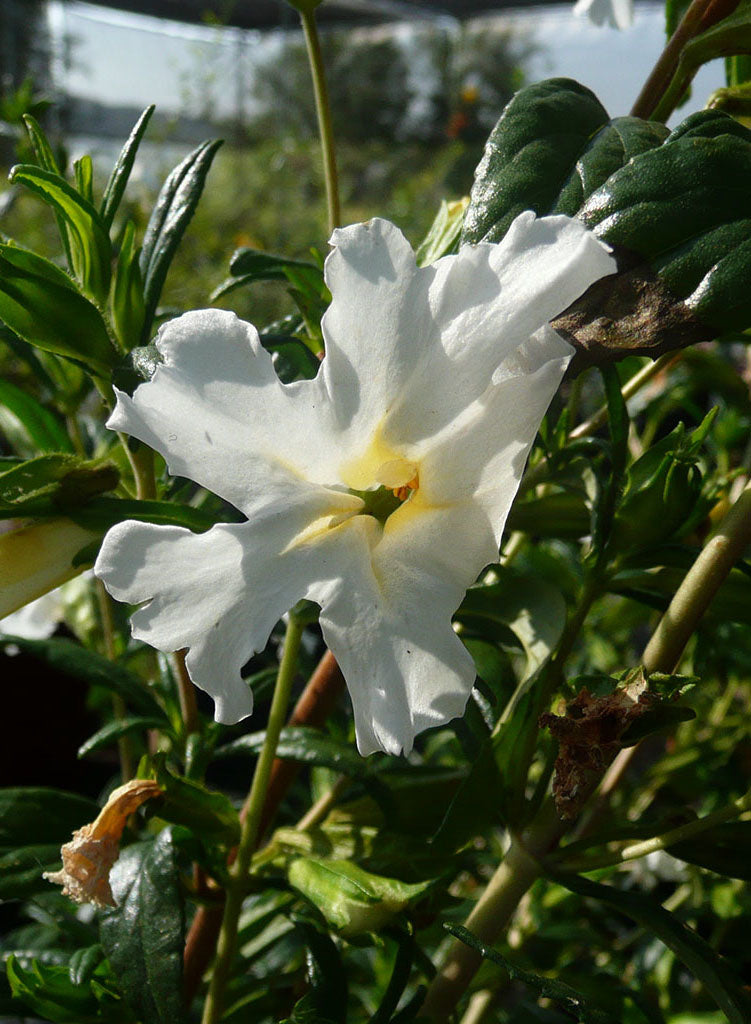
{"points": [[115, 188], [46, 159], [171, 215], [90, 244]]}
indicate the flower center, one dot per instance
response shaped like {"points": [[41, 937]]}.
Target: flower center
{"points": [[398, 480]]}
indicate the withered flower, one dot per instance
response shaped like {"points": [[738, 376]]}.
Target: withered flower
{"points": [[94, 848]]}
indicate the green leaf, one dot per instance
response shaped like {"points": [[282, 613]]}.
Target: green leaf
{"points": [[144, 936], [725, 849], [307, 746], [351, 899], [90, 244], [530, 155], [475, 808], [443, 235], [209, 814], [42, 148], [115, 188], [84, 172], [46, 159], [533, 610], [37, 815], [47, 989], [676, 210], [325, 974], [126, 301], [34, 824], [103, 512], [720, 980], [112, 731], [86, 666], [170, 217], [571, 1001], [39, 428], [41, 304], [53, 484]]}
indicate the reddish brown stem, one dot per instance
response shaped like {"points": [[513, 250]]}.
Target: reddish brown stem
{"points": [[312, 709]]}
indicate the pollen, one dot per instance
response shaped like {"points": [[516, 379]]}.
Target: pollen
{"points": [[403, 492]]}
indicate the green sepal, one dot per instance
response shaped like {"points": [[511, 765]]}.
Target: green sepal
{"points": [[91, 250]]}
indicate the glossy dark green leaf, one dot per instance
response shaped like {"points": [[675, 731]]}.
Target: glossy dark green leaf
{"points": [[113, 731], [41, 304], [552, 515], [530, 155], [126, 300], [678, 213], [89, 242], [71, 659], [42, 429], [170, 217], [84, 962], [147, 959], [115, 188], [720, 980]]}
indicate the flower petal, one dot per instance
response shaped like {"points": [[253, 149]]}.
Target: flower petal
{"points": [[219, 593], [388, 622], [480, 457], [214, 408], [409, 348]]}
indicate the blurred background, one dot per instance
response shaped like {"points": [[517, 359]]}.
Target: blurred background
{"points": [[416, 86]]}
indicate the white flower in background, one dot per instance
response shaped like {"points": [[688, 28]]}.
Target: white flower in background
{"points": [[614, 13], [379, 489], [37, 620]]}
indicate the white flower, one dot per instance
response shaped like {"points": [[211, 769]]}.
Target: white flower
{"points": [[614, 13], [37, 620], [403, 403]]}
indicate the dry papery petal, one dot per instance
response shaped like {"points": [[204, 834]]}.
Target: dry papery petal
{"points": [[589, 736], [94, 848]]}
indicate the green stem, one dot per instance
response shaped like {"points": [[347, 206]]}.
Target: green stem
{"points": [[675, 835], [651, 96], [323, 110], [124, 743], [699, 586], [238, 872]]}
